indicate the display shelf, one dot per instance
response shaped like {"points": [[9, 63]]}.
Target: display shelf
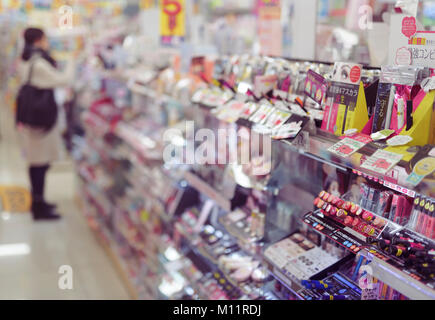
{"points": [[108, 244], [246, 289], [314, 142], [207, 190], [398, 279], [290, 284]]}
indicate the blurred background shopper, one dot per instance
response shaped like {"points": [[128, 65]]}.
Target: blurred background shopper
{"points": [[38, 129]]}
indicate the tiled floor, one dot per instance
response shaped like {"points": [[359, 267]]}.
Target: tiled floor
{"points": [[52, 244]]}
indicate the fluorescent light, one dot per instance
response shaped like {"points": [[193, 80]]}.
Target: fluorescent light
{"points": [[14, 249]]}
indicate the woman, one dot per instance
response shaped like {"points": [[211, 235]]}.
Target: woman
{"points": [[41, 148]]}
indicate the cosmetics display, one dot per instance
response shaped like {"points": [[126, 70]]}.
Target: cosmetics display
{"points": [[320, 189]]}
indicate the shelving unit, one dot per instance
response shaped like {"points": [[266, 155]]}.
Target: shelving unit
{"points": [[312, 146]]}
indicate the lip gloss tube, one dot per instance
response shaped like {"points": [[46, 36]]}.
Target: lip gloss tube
{"points": [[421, 215], [415, 213], [430, 231], [393, 209], [427, 218]]}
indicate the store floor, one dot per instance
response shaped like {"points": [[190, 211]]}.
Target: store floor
{"points": [[35, 274]]}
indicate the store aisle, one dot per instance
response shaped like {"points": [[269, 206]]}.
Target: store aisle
{"points": [[34, 274]]}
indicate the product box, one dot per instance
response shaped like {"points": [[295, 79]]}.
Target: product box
{"points": [[346, 106]]}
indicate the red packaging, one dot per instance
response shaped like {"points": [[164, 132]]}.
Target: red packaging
{"points": [[400, 209], [367, 216], [355, 223], [348, 221], [361, 227], [320, 203], [341, 214], [421, 216], [427, 218], [409, 203], [354, 209], [340, 203], [430, 229], [346, 206], [331, 198]]}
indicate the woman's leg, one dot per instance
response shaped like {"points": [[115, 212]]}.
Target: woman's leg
{"points": [[40, 209], [37, 180]]}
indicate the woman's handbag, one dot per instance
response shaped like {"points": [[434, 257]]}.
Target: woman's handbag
{"points": [[36, 107]]}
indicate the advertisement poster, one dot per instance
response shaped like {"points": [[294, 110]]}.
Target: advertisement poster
{"points": [[172, 21], [381, 161], [315, 86], [270, 30], [408, 45], [422, 49]]}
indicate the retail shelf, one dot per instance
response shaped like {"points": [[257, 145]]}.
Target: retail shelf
{"points": [[314, 143], [398, 279], [290, 284], [107, 244], [143, 90], [205, 189]]}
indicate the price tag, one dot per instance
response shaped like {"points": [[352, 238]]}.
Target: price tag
{"points": [[370, 294]]}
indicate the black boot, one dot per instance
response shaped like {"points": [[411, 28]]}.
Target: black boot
{"points": [[41, 211], [51, 206]]}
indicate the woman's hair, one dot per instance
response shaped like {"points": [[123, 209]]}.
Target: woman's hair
{"points": [[31, 35]]}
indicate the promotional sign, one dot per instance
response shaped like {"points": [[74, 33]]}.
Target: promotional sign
{"points": [[408, 44], [422, 169], [315, 86], [345, 106], [422, 49], [344, 148], [172, 21], [381, 161]]}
